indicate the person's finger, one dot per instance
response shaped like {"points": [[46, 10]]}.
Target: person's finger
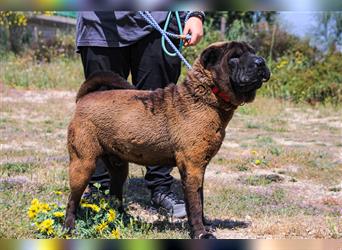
{"points": [[193, 39], [188, 29], [187, 42]]}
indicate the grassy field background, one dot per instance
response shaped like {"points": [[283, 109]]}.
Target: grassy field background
{"points": [[277, 175]]}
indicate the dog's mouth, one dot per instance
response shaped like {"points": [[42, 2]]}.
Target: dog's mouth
{"points": [[246, 86], [243, 87]]}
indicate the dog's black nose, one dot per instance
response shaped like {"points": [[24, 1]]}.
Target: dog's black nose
{"points": [[259, 61]]}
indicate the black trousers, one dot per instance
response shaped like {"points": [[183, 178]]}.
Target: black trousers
{"points": [[150, 69]]}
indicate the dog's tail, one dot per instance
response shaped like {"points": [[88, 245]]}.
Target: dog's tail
{"points": [[102, 81]]}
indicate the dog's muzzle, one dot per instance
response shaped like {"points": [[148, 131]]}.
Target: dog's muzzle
{"points": [[249, 75]]}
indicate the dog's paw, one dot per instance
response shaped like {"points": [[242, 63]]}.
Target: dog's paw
{"points": [[206, 236], [210, 228], [69, 224]]}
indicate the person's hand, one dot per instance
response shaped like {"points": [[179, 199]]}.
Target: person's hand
{"points": [[194, 27]]}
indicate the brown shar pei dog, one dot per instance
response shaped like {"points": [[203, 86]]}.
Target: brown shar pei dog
{"points": [[183, 125]]}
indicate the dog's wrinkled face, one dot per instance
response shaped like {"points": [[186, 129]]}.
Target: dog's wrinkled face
{"points": [[248, 72], [236, 69]]}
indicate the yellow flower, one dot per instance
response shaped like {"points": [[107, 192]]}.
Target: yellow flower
{"points": [[58, 214], [31, 214], [47, 223], [115, 234], [34, 209], [58, 192], [100, 227], [93, 207], [46, 226], [283, 62], [257, 162], [111, 215], [34, 202], [44, 207], [254, 152]]}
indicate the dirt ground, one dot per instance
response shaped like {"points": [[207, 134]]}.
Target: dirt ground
{"points": [[277, 175]]}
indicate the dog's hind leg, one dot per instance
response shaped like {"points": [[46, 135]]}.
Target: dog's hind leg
{"points": [[84, 149], [80, 172], [118, 171]]}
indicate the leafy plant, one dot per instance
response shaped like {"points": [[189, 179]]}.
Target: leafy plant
{"points": [[296, 79], [97, 218]]}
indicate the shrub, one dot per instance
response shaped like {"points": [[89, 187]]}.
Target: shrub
{"points": [[284, 44], [61, 45], [295, 78]]}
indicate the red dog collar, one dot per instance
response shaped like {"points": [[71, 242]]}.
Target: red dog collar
{"points": [[220, 94]]}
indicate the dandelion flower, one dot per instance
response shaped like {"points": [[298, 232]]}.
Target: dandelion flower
{"points": [[31, 213], [257, 162], [93, 207], [58, 214], [46, 226], [34, 209], [111, 215], [35, 202], [115, 234], [58, 192], [44, 207], [100, 227]]}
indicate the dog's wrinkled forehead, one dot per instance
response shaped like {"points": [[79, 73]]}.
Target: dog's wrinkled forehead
{"points": [[212, 55], [237, 49]]}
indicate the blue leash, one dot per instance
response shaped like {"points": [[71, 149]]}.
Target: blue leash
{"points": [[180, 36], [165, 35]]}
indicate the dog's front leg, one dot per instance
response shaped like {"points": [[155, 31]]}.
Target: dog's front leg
{"points": [[192, 181]]}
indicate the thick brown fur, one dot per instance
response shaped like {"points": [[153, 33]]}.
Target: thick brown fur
{"points": [[181, 125]]}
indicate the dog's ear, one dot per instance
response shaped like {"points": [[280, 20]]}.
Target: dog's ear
{"points": [[210, 56]]}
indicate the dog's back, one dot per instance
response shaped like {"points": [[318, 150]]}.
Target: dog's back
{"points": [[102, 81]]}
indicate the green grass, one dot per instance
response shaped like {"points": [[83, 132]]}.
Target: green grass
{"points": [[240, 202], [248, 110], [23, 72], [262, 180], [252, 125], [16, 167], [264, 140]]}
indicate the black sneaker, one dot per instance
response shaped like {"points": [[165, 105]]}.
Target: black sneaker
{"points": [[169, 202]]}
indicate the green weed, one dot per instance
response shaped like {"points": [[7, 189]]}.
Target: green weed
{"points": [[16, 167]]}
